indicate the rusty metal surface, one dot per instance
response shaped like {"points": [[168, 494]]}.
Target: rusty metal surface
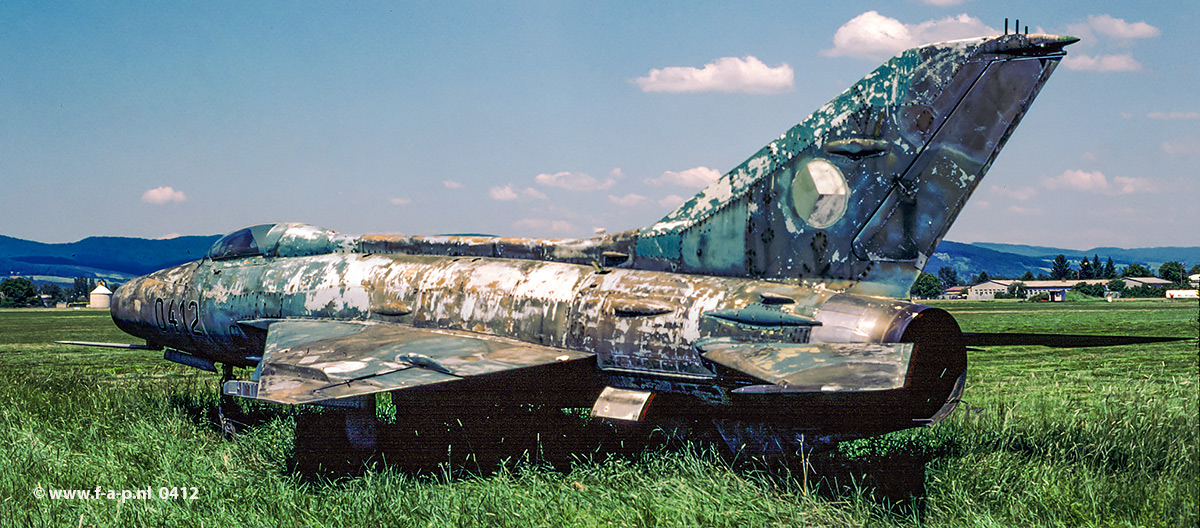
{"points": [[622, 404], [779, 285], [307, 361], [830, 367]]}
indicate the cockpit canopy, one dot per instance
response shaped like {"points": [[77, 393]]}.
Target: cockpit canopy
{"points": [[280, 240]]}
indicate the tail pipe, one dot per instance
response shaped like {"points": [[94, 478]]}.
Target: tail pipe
{"points": [[937, 372]]}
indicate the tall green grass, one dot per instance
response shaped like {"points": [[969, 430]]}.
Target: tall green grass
{"points": [[1046, 437]]}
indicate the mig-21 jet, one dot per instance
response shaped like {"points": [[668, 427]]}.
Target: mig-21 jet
{"points": [[771, 306]]}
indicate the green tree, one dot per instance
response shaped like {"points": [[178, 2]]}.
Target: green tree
{"points": [[18, 292], [1086, 271], [1093, 290], [1060, 269], [1172, 271], [980, 278], [927, 286], [949, 277], [1028, 276], [1195, 269], [1110, 269], [1016, 290], [1144, 291], [55, 292], [1115, 285], [81, 289], [1136, 270]]}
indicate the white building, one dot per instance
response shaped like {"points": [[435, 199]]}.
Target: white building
{"points": [[1056, 289], [99, 297]]}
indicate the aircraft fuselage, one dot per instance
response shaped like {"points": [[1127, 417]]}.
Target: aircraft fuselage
{"points": [[642, 326]]}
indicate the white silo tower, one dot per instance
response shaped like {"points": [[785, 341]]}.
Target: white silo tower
{"points": [[99, 297]]}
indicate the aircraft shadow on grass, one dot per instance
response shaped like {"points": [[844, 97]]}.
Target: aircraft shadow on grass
{"points": [[458, 445]]}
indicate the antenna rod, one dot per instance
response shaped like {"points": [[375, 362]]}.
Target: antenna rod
{"points": [[1006, 26]]}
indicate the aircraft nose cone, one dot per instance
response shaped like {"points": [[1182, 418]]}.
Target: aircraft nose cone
{"points": [[1066, 40], [1057, 42], [1032, 45], [123, 308]]}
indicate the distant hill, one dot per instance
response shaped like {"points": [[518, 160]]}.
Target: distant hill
{"points": [[117, 259], [1152, 256], [970, 259], [114, 259]]}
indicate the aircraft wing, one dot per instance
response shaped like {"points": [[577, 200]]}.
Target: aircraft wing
{"points": [[814, 367], [315, 361]]}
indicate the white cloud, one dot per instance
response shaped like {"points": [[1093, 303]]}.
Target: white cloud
{"points": [[169, 236], [507, 193], [1019, 193], [1078, 180], [1099, 30], [573, 181], [726, 74], [1097, 182], [503, 193], [629, 200], [451, 184], [1173, 115], [1116, 28], [1182, 147], [540, 224], [162, 195], [399, 201], [530, 192], [672, 201], [1102, 63], [874, 36], [698, 177], [1125, 185], [1023, 211]]}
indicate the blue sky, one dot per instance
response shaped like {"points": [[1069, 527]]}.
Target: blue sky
{"points": [[547, 118]]}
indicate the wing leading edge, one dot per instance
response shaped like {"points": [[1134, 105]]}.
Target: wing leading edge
{"points": [[317, 361]]}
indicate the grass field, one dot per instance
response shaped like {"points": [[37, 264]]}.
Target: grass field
{"points": [[1045, 437]]}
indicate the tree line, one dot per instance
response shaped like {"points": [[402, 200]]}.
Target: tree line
{"points": [[19, 292], [929, 285]]}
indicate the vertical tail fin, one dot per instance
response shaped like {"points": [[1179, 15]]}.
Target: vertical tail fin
{"points": [[864, 188]]}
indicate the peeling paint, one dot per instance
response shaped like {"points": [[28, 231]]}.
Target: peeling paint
{"points": [[768, 303]]}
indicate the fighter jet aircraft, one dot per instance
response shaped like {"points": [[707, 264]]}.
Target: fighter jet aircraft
{"points": [[771, 305]]}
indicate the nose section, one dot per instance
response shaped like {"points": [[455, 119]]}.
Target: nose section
{"points": [[126, 307]]}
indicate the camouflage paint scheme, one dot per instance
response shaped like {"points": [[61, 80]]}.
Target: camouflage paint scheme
{"points": [[770, 304]]}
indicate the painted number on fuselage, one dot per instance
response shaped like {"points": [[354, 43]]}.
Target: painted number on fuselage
{"points": [[188, 318]]}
